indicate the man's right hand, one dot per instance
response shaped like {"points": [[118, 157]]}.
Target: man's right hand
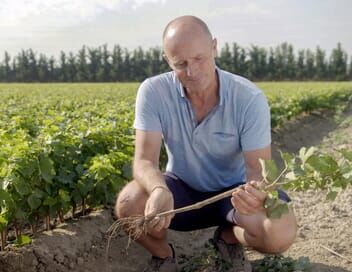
{"points": [[160, 200]]}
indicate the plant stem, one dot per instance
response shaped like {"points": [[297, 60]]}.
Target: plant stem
{"points": [[73, 209], [3, 241], [198, 205], [47, 222], [16, 229], [61, 217], [83, 206], [213, 199]]}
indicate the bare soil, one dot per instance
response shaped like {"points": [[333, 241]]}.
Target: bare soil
{"points": [[80, 245]]}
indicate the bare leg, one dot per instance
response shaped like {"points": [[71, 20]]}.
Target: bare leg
{"points": [[262, 233], [131, 201]]}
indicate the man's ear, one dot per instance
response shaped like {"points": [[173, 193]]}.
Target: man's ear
{"points": [[215, 47], [166, 59]]}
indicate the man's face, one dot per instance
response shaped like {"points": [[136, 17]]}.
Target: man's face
{"points": [[193, 60]]}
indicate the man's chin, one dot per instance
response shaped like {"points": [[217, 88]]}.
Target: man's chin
{"points": [[194, 86]]}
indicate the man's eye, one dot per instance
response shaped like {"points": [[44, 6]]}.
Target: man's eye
{"points": [[180, 65]]}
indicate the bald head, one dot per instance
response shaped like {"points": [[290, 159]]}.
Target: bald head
{"points": [[186, 26]]}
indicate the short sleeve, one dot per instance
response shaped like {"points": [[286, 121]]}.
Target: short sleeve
{"points": [[147, 115], [256, 129]]}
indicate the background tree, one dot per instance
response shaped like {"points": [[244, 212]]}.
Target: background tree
{"points": [[338, 64], [300, 70], [321, 66], [101, 65], [116, 73]]}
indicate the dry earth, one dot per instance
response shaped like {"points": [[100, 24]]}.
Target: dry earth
{"points": [[80, 245]]}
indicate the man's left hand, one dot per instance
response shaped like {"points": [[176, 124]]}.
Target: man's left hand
{"points": [[247, 199]]}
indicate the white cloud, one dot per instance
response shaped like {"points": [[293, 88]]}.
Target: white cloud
{"points": [[246, 8], [139, 3], [59, 12]]}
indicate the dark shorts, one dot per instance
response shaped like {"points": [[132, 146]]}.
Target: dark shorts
{"points": [[211, 215]]}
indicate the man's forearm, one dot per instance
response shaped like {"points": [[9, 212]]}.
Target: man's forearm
{"points": [[254, 174], [147, 175]]}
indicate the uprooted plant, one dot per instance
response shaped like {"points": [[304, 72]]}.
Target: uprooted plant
{"points": [[309, 169]]}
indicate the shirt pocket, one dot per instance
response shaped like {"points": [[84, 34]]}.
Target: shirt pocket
{"points": [[223, 145]]}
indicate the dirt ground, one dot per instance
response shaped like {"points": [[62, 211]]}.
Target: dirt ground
{"points": [[80, 245]]}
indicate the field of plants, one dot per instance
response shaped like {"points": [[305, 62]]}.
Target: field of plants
{"points": [[67, 148]]}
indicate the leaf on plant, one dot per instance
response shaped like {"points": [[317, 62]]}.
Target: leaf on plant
{"points": [[46, 167], [305, 155], [347, 154], [33, 201], [5, 198], [275, 207], [22, 186], [287, 158], [23, 240], [324, 164], [269, 170], [331, 195], [302, 264], [64, 196], [3, 222], [50, 201]]}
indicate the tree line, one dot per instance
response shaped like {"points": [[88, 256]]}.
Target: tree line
{"points": [[120, 64]]}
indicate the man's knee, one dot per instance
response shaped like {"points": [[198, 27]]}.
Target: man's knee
{"points": [[130, 200], [279, 235]]}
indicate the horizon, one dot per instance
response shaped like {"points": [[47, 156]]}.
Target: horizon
{"points": [[49, 27]]}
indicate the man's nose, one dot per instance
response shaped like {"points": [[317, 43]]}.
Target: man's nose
{"points": [[190, 70]]}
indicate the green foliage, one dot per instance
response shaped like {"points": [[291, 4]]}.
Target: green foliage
{"points": [[309, 169], [279, 263], [23, 240], [63, 145]]}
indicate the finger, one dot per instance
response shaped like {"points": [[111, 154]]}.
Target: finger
{"points": [[250, 189], [241, 206], [239, 188], [167, 222], [249, 200], [257, 184], [150, 210], [160, 225], [153, 223]]}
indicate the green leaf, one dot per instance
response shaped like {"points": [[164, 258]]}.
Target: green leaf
{"points": [[64, 196], [22, 187], [50, 201], [269, 170], [23, 240], [331, 195], [347, 154], [3, 222], [46, 167], [324, 164], [38, 193], [5, 197], [287, 158], [33, 201], [305, 154], [302, 264], [275, 207], [278, 210]]}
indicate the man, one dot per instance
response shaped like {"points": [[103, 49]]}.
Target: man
{"points": [[216, 125]]}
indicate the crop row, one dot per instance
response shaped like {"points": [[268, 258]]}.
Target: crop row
{"points": [[68, 147]]}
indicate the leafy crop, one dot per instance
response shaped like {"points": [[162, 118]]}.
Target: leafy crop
{"points": [[309, 169], [68, 147]]}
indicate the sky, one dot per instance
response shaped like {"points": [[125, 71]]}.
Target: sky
{"points": [[52, 26]]}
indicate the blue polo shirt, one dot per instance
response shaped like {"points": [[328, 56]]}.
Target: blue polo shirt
{"points": [[207, 156]]}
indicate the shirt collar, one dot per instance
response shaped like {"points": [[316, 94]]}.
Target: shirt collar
{"points": [[181, 90]]}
